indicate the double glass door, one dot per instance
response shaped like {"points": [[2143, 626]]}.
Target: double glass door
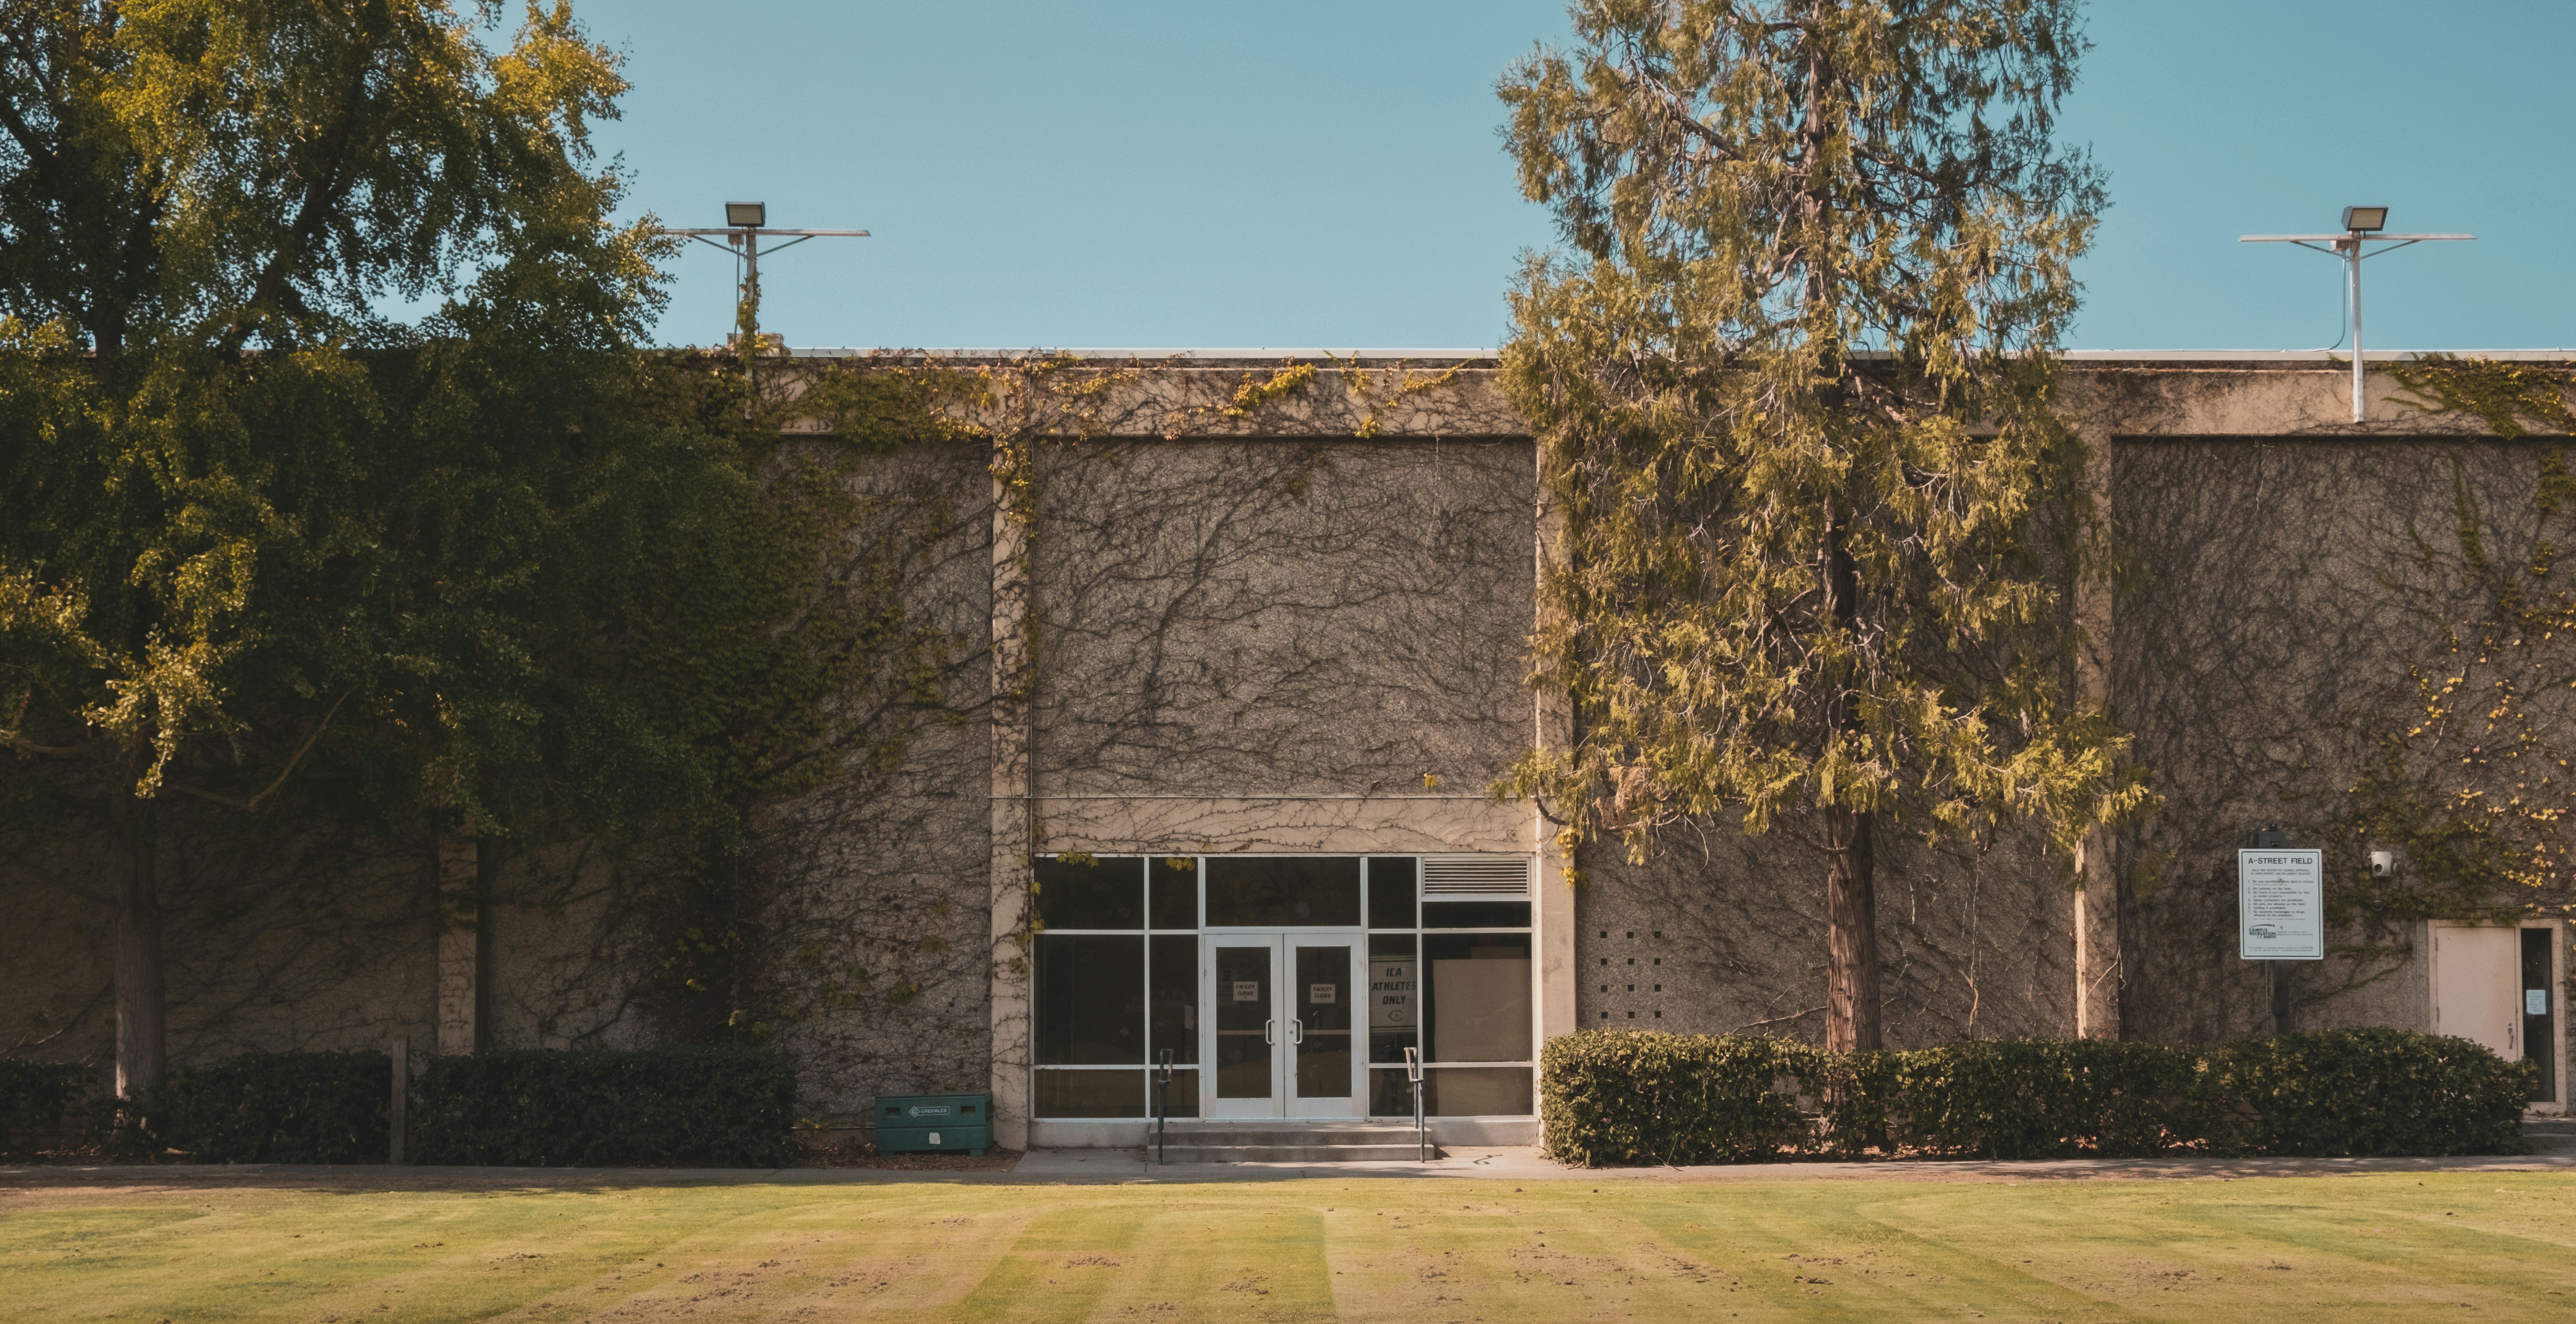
{"points": [[1287, 1037]]}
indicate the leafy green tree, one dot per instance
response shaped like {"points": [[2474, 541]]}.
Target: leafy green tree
{"points": [[251, 519], [1793, 394]]}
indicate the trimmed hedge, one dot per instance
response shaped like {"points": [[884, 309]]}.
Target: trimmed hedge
{"points": [[717, 1107], [1625, 1096], [277, 1108], [34, 1099], [2335, 1092]]}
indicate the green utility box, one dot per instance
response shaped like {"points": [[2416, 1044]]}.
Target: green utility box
{"points": [[921, 1123]]}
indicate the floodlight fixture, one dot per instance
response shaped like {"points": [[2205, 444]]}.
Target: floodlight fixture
{"points": [[2360, 225], [756, 214]]}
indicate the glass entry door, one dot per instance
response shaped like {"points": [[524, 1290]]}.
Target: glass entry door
{"points": [[1282, 1037]]}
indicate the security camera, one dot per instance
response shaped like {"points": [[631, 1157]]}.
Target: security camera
{"points": [[2383, 864]]}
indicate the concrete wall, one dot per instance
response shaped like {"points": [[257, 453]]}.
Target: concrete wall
{"points": [[1264, 632]]}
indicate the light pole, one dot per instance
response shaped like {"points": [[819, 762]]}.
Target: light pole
{"points": [[2360, 225], [745, 223]]}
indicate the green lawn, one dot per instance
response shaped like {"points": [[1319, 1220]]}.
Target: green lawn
{"points": [[2378, 1247]]}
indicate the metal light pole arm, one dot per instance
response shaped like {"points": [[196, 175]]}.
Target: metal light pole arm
{"points": [[2348, 247], [749, 229], [745, 240]]}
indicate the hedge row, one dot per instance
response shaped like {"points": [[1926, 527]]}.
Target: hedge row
{"points": [[275, 1108], [723, 1107], [712, 1107], [35, 1099], [1624, 1097]]}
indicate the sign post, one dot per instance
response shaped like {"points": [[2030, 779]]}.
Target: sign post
{"points": [[2280, 911]]}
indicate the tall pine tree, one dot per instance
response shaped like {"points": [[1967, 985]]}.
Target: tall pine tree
{"points": [[1792, 388]]}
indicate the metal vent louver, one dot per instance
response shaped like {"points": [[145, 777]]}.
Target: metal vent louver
{"points": [[1475, 875]]}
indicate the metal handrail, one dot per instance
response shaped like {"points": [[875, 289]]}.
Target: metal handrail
{"points": [[1421, 1136], [1162, 1103]]}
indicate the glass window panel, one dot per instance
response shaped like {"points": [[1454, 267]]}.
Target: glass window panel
{"points": [[1091, 1094], [1107, 892], [1475, 915], [1391, 1094], [1176, 1000], [1283, 890], [1476, 1092], [1175, 884], [1476, 1007], [1184, 1092], [1244, 1032], [1320, 998], [1390, 944], [1390, 891], [1395, 997], [1091, 999]]}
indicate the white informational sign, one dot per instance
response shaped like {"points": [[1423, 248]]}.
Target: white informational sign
{"points": [[1391, 994], [1322, 995], [2281, 904], [1247, 990]]}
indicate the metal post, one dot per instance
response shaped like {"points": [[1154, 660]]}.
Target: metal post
{"points": [[747, 329], [399, 1106], [2352, 266], [1413, 1073], [1162, 1103]]}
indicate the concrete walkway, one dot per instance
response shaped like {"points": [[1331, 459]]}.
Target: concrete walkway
{"points": [[1086, 1166]]}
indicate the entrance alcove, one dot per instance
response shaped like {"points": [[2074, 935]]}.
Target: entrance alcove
{"points": [[1285, 987]]}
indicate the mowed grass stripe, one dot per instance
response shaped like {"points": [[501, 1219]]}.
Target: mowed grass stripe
{"points": [[1831, 1251], [2161, 1253], [2357, 1249]]}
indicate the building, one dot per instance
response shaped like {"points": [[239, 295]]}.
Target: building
{"points": [[1211, 780]]}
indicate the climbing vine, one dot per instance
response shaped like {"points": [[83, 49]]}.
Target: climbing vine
{"points": [[2473, 790]]}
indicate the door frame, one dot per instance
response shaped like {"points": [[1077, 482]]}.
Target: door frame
{"points": [[1283, 1103]]}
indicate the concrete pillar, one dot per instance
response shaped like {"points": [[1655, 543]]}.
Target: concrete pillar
{"points": [[1553, 729], [1013, 829], [460, 945], [2098, 973]]}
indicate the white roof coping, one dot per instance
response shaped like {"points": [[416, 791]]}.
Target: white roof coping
{"points": [[2304, 355], [1470, 355], [1158, 355]]}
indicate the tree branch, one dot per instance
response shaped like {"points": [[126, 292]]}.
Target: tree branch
{"points": [[252, 804]]}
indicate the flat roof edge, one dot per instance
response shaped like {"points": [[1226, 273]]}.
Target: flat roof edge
{"points": [[1472, 355], [1154, 355]]}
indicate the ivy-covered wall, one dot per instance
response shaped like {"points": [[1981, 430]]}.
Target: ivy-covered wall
{"points": [[1296, 619]]}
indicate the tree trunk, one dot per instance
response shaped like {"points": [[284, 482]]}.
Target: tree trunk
{"points": [[1851, 938], [1851, 880], [141, 1053]]}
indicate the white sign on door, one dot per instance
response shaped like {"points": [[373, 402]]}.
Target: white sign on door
{"points": [[1247, 990], [1322, 995], [1391, 990], [2281, 904]]}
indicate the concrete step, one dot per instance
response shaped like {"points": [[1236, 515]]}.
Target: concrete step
{"points": [[1273, 1133], [1407, 1152]]}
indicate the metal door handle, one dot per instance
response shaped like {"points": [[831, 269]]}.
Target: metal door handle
{"points": [[1270, 1031], [1296, 1031]]}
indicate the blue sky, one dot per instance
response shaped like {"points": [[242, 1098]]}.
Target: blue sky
{"points": [[1327, 174]]}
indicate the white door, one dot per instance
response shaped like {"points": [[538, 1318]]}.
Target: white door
{"points": [[1288, 1037], [2477, 986]]}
